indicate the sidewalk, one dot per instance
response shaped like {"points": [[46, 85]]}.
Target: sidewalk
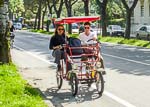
{"points": [[36, 72]]}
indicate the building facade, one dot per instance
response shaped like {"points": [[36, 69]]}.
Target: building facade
{"points": [[141, 15]]}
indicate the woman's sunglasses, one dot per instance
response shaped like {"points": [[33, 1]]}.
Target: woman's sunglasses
{"points": [[60, 29]]}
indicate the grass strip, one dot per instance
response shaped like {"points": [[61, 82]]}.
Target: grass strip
{"points": [[15, 92], [117, 40]]}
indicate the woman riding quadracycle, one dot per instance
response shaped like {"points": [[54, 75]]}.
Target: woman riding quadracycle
{"points": [[73, 68]]}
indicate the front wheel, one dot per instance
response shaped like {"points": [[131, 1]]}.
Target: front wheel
{"points": [[74, 84], [99, 82]]}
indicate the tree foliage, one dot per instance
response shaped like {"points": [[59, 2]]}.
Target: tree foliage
{"points": [[16, 6], [115, 9], [58, 4]]}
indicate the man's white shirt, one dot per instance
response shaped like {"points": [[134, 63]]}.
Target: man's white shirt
{"points": [[84, 38]]}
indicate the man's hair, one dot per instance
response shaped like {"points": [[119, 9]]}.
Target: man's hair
{"points": [[87, 23]]}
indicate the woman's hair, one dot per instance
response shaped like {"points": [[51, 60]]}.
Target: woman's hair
{"points": [[57, 26]]}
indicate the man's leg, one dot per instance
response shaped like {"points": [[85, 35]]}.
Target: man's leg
{"points": [[102, 65]]}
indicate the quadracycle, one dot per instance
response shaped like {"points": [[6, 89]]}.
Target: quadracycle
{"points": [[86, 65]]}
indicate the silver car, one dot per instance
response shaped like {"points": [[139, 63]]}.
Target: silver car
{"points": [[115, 30], [143, 32]]}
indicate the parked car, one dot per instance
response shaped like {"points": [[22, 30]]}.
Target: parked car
{"points": [[26, 26], [115, 30], [75, 28], [143, 32], [18, 26]]}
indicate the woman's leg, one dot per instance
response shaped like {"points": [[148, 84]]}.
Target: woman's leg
{"points": [[57, 54], [69, 66]]}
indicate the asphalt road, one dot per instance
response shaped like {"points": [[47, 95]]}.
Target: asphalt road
{"points": [[127, 80]]}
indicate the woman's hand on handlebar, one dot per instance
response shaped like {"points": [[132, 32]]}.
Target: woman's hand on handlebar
{"points": [[57, 47]]}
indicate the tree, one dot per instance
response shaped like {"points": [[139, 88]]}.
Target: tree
{"points": [[69, 4], [39, 13], [129, 11], [16, 7], [86, 7], [115, 9], [78, 9], [50, 5], [5, 56], [31, 11], [102, 6], [59, 9]]}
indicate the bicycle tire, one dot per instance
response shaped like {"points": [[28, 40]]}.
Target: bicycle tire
{"points": [[74, 84], [99, 82]]}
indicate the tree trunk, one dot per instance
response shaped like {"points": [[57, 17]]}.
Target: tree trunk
{"points": [[86, 7], [50, 13], [128, 25], [102, 6], [35, 22], [39, 14], [129, 11], [58, 11], [103, 16], [69, 15], [58, 14], [43, 16], [5, 56], [68, 4]]}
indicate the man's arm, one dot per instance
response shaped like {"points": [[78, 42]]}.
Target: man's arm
{"points": [[94, 36]]}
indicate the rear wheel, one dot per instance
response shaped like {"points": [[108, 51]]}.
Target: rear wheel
{"points": [[74, 84], [99, 82], [59, 79]]}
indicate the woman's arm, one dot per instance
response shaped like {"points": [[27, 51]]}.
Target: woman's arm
{"points": [[51, 43]]}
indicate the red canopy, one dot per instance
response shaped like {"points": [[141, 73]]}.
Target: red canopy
{"points": [[69, 20]]}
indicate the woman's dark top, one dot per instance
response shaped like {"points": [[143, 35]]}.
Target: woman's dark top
{"points": [[56, 40]]}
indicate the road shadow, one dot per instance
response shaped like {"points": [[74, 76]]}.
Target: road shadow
{"points": [[64, 96], [127, 59], [129, 68]]}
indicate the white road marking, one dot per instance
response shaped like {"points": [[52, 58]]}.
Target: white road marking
{"points": [[30, 53], [126, 59], [117, 99]]}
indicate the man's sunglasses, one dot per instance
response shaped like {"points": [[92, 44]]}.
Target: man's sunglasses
{"points": [[60, 29], [86, 27]]}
